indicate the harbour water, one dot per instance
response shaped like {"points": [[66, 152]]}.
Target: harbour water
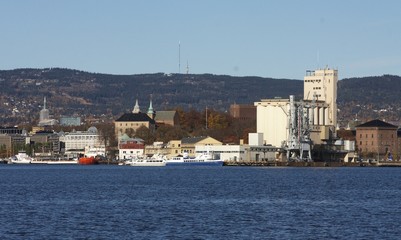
{"points": [[120, 202]]}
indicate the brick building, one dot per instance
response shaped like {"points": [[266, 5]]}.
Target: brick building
{"points": [[243, 112], [377, 139]]}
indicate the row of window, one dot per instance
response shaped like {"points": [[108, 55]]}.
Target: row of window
{"points": [[131, 152], [314, 80], [317, 88], [132, 124], [381, 135], [366, 143], [81, 137]]}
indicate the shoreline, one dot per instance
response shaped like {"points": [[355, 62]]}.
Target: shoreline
{"points": [[309, 164]]}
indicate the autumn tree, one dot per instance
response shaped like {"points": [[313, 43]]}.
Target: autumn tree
{"points": [[192, 120], [107, 134], [146, 134], [165, 133]]}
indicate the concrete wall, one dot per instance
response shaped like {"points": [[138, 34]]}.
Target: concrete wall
{"points": [[271, 120], [255, 139]]}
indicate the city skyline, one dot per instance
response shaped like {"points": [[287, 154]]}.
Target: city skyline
{"points": [[278, 39]]}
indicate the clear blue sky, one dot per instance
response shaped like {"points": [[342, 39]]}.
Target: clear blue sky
{"points": [[279, 39]]}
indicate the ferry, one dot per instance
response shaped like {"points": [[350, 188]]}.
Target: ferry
{"points": [[21, 158], [200, 160], [147, 162]]}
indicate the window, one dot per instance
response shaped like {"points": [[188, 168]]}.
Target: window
{"points": [[372, 135]]}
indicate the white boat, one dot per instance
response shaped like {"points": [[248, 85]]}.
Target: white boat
{"points": [[200, 160], [156, 160], [147, 162], [62, 162], [21, 158]]}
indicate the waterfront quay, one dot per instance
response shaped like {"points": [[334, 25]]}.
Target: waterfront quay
{"points": [[311, 164]]}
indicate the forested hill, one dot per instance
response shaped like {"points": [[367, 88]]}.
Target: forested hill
{"points": [[76, 92], [368, 98], [81, 93]]}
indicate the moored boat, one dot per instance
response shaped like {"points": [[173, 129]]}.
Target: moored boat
{"points": [[156, 160], [62, 162], [21, 158], [200, 160], [88, 161], [147, 163]]}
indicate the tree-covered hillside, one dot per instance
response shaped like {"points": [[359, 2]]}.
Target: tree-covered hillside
{"points": [[73, 92], [370, 97]]}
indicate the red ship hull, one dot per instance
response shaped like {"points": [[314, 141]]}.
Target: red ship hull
{"points": [[88, 161]]}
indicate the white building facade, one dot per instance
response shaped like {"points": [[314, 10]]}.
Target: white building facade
{"points": [[224, 152], [75, 142]]}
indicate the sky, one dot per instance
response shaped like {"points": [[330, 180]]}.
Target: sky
{"points": [[278, 39]]}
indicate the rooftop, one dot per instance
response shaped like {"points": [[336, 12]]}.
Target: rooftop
{"points": [[135, 117], [376, 123]]}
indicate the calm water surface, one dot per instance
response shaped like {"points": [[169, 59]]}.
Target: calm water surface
{"points": [[120, 202]]}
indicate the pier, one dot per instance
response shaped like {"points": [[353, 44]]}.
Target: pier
{"points": [[311, 164]]}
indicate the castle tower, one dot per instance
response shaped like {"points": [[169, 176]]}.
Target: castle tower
{"points": [[136, 107], [151, 112]]}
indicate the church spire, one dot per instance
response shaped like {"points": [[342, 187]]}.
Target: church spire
{"points": [[44, 103], [151, 112], [136, 107]]}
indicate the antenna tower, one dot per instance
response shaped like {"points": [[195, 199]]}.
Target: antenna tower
{"points": [[179, 56]]}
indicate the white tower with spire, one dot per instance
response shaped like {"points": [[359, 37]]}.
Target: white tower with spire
{"points": [[136, 107], [44, 113], [44, 116]]}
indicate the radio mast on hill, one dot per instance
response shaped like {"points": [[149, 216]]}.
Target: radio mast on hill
{"points": [[179, 56]]}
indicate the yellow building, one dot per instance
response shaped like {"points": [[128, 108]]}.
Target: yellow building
{"points": [[174, 147], [134, 120], [188, 144]]}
